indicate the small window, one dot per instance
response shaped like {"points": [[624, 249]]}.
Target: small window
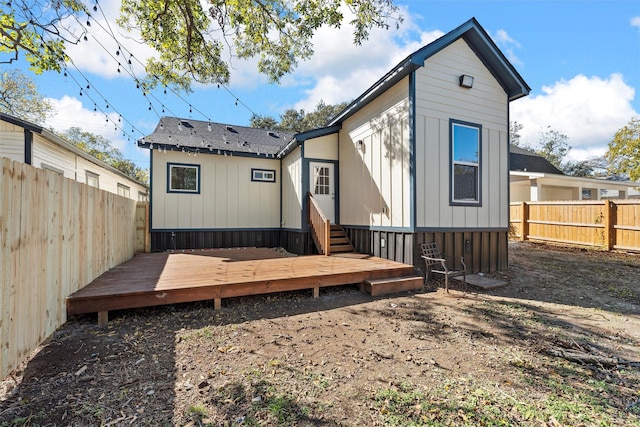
{"points": [[465, 163], [182, 178], [52, 169], [142, 196], [263, 175], [93, 179], [124, 190]]}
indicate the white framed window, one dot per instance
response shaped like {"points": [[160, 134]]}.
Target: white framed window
{"points": [[263, 175], [50, 168], [142, 196], [93, 179], [183, 178], [465, 148], [124, 190]]}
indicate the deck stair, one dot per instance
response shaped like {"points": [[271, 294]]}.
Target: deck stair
{"points": [[339, 241], [392, 285]]}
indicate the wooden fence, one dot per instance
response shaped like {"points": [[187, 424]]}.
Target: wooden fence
{"points": [[604, 224], [56, 236]]}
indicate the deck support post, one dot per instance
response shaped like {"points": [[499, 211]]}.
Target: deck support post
{"points": [[316, 292], [217, 303], [103, 318]]}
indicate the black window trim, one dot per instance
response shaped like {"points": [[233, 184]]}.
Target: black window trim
{"points": [[184, 165], [452, 200], [254, 179]]}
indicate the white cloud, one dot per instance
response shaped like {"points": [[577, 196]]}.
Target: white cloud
{"points": [[70, 113], [508, 45], [341, 71], [589, 110], [635, 21]]}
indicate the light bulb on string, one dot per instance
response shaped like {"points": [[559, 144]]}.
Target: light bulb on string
{"points": [[209, 127], [179, 125]]}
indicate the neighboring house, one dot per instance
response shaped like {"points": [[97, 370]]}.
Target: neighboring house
{"points": [[533, 178], [422, 155], [26, 142]]}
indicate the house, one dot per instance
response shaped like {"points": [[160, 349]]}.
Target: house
{"points": [[533, 178], [422, 155], [34, 145]]}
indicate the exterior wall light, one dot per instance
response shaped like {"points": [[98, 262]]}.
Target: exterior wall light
{"points": [[466, 81]]}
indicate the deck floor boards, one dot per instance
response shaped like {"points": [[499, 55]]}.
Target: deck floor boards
{"points": [[167, 278]]}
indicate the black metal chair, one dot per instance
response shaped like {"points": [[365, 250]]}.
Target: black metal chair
{"points": [[432, 257]]}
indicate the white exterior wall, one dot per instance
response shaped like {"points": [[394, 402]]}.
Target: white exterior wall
{"points": [[50, 154], [375, 181], [45, 152], [438, 99], [292, 197], [11, 141], [228, 198], [324, 147]]}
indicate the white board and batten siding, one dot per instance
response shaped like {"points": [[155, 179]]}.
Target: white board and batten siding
{"points": [[292, 197], [438, 99], [228, 197], [375, 174], [322, 148]]}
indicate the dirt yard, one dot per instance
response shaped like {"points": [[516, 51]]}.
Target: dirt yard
{"points": [[558, 346]]}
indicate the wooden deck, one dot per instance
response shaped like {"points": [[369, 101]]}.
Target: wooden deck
{"points": [[168, 278]]}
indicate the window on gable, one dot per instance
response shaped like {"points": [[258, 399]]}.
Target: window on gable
{"points": [[263, 175], [182, 178], [465, 163]]}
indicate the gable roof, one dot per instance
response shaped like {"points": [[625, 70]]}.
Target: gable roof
{"points": [[527, 161], [196, 135], [477, 39]]}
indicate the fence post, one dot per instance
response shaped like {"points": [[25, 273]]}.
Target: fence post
{"points": [[524, 226], [609, 232]]}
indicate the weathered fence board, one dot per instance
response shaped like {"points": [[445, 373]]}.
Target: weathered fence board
{"points": [[605, 224], [56, 236]]}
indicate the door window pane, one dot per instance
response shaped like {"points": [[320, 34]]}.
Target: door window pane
{"points": [[321, 180]]}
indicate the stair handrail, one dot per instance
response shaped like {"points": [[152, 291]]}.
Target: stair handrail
{"points": [[320, 226]]}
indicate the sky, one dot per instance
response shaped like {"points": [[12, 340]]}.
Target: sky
{"points": [[580, 58]]}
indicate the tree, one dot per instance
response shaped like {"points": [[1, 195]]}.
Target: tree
{"points": [[553, 147], [19, 97], [623, 153], [101, 148], [191, 36], [514, 135], [299, 120]]}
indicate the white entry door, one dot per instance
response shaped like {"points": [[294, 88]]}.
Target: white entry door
{"points": [[323, 188]]}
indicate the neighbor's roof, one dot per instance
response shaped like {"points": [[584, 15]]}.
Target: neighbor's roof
{"points": [[173, 132], [527, 161], [477, 39]]}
